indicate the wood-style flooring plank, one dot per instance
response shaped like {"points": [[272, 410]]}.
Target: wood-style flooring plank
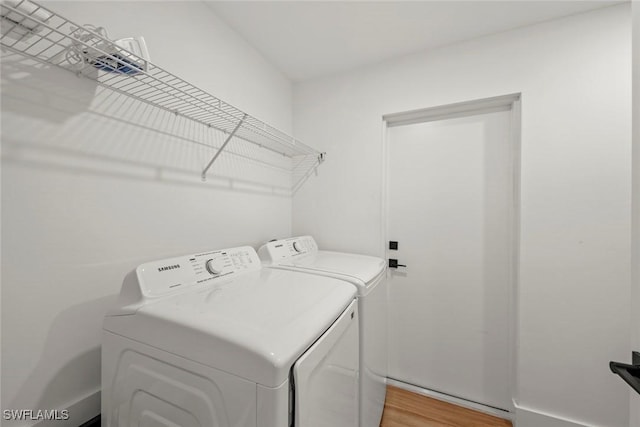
{"points": [[406, 409]]}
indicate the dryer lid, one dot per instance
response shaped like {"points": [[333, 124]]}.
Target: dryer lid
{"points": [[254, 325]]}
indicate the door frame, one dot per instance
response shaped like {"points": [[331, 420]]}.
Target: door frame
{"points": [[634, 399], [509, 102]]}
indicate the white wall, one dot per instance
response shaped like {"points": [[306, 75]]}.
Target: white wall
{"points": [[635, 260], [575, 80], [90, 190]]}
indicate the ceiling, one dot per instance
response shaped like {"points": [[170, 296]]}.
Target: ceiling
{"points": [[310, 39]]}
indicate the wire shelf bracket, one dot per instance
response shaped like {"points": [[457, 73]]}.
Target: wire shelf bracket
{"points": [[215, 156], [39, 33]]}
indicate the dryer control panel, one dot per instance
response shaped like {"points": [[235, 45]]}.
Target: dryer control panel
{"points": [[285, 249], [174, 274]]}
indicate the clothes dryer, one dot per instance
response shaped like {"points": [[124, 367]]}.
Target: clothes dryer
{"points": [[213, 339]]}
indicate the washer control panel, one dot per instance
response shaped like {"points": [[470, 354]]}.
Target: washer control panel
{"points": [[167, 276], [285, 249]]}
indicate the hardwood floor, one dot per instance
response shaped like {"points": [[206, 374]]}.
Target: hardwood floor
{"points": [[406, 409]]}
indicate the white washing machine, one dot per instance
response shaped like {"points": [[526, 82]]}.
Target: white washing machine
{"points": [[368, 274], [215, 340]]}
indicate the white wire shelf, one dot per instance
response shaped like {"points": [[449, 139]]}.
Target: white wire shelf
{"points": [[39, 33]]}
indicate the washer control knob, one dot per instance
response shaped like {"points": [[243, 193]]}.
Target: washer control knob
{"points": [[296, 247], [212, 268]]}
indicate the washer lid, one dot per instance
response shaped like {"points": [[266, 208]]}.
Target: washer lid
{"points": [[254, 325], [361, 267], [302, 253]]}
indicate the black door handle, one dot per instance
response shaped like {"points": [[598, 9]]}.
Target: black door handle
{"points": [[629, 373], [393, 263]]}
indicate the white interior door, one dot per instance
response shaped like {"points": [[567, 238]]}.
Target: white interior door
{"points": [[450, 207]]}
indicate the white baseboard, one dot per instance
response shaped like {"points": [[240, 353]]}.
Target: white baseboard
{"points": [[80, 412], [532, 418]]}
